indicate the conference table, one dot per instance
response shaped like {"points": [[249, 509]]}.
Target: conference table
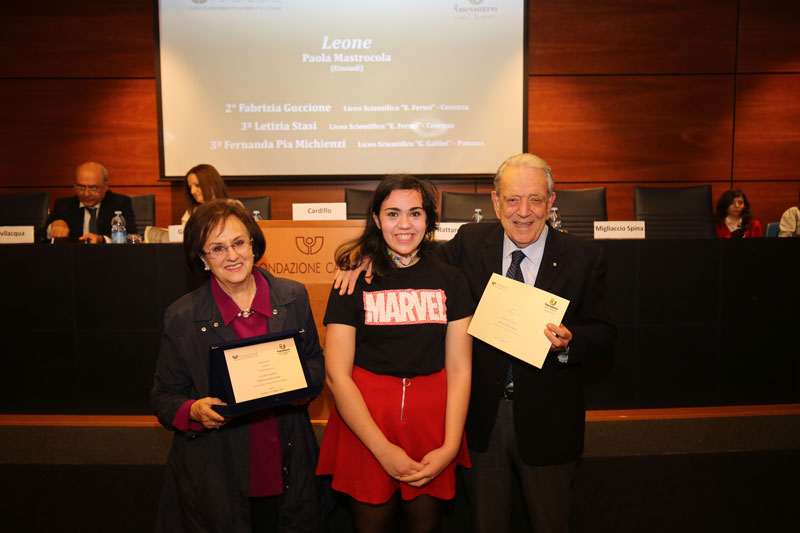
{"points": [[701, 322]]}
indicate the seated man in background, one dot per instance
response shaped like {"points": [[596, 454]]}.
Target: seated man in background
{"points": [[88, 214], [790, 221]]}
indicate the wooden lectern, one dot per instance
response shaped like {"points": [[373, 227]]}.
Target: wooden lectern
{"points": [[303, 250]]}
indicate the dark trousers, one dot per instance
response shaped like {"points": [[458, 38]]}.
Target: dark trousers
{"points": [[265, 513], [546, 490]]}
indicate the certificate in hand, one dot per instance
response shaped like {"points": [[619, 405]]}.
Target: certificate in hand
{"points": [[512, 316], [258, 373]]}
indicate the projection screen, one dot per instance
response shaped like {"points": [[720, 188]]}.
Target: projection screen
{"points": [[317, 88]]}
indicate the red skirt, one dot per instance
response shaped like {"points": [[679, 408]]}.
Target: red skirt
{"points": [[414, 422]]}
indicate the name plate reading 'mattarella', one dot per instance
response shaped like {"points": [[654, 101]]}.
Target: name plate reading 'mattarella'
{"points": [[16, 234], [447, 230], [617, 229], [320, 211]]}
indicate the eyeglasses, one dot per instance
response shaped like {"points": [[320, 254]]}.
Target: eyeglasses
{"points": [[220, 250], [94, 189]]}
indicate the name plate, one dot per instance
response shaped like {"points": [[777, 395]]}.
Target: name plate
{"points": [[616, 229], [16, 234], [447, 230], [175, 233], [321, 211]]}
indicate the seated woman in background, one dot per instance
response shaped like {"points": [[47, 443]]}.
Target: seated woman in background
{"points": [[733, 218], [202, 184], [398, 362], [790, 222]]}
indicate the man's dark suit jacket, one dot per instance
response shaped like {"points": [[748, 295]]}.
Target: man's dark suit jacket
{"points": [[67, 209], [549, 407]]}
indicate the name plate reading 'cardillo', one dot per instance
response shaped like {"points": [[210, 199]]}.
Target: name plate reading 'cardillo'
{"points": [[320, 211], [512, 316]]}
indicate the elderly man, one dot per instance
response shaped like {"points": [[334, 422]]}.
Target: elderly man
{"points": [[88, 214], [522, 418]]}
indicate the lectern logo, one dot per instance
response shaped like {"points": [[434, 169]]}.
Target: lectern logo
{"points": [[309, 245]]}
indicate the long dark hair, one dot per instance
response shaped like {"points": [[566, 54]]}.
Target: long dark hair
{"points": [[370, 245], [210, 183], [726, 200]]}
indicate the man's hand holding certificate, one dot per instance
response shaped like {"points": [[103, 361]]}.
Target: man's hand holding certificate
{"points": [[512, 316]]}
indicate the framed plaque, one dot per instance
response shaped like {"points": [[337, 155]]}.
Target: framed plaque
{"points": [[259, 373]]}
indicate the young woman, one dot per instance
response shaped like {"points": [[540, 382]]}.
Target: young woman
{"points": [[733, 217], [202, 184], [398, 362]]}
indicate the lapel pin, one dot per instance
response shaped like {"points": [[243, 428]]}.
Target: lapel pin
{"points": [[274, 312]]}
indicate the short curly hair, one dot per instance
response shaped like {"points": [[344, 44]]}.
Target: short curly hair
{"points": [[208, 216]]}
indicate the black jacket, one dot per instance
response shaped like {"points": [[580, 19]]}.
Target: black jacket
{"points": [[68, 210], [548, 403], [206, 480]]}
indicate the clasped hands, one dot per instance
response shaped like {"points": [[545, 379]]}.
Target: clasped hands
{"points": [[396, 462]]}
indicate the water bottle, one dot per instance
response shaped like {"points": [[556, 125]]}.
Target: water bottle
{"points": [[555, 220], [119, 234], [477, 215], [257, 215]]}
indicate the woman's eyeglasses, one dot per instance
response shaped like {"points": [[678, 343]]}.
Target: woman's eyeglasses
{"points": [[219, 250]]}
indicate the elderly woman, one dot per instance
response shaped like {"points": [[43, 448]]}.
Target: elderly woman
{"points": [[254, 472], [202, 184], [398, 362]]}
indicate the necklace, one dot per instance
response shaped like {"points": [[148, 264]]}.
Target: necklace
{"points": [[403, 260], [244, 313]]}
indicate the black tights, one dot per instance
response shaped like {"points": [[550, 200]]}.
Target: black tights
{"points": [[421, 515]]}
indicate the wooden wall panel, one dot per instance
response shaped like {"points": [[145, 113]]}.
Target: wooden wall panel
{"points": [[619, 197], [769, 36], [621, 92], [632, 128], [769, 200], [79, 38], [632, 36], [767, 127], [50, 126]]}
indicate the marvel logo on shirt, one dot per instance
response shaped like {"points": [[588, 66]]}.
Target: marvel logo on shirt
{"points": [[405, 306]]}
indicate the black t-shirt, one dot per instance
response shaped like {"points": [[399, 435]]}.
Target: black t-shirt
{"points": [[401, 318]]}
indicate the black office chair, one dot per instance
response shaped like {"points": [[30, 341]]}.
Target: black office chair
{"points": [[25, 210], [579, 208], [357, 201], [257, 203], [460, 206], [144, 209], [675, 212]]}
